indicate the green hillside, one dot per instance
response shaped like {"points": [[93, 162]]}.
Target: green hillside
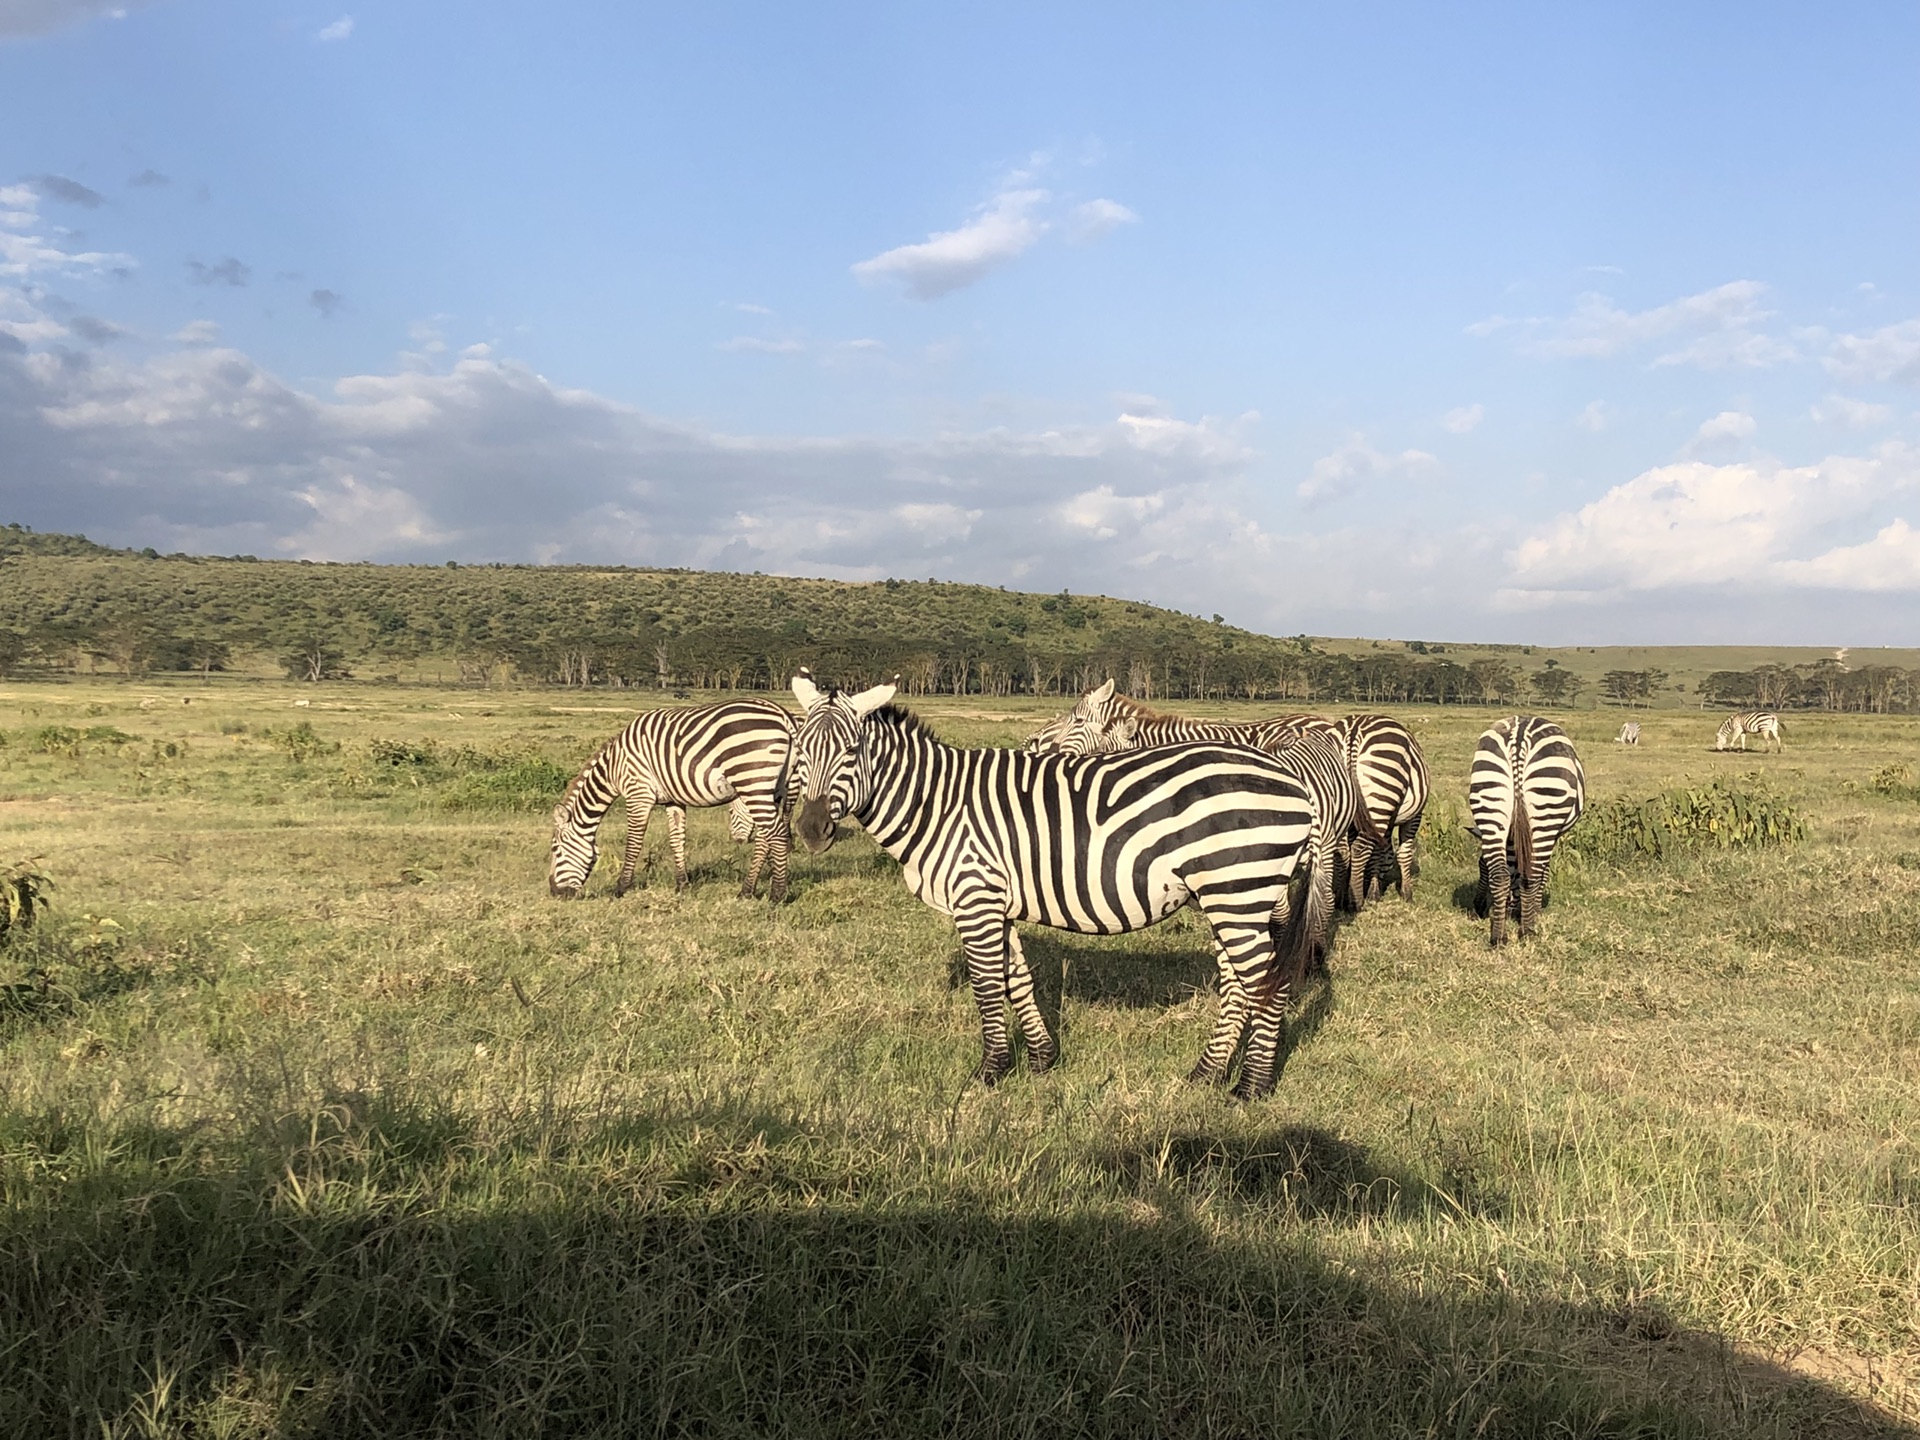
{"points": [[69, 606]]}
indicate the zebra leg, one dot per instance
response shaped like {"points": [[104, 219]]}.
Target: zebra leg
{"points": [[1322, 915], [983, 934], [1041, 1051], [761, 844], [639, 807], [1211, 1068], [1409, 832], [1533, 889], [1250, 951], [677, 842], [1360, 873], [1499, 892], [779, 847]]}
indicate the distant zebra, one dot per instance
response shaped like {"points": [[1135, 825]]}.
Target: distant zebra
{"points": [[1736, 728], [1097, 846], [1103, 723], [1525, 789], [1388, 768], [701, 755], [1629, 734]]}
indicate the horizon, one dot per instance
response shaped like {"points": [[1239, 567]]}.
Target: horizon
{"points": [[1561, 327]]}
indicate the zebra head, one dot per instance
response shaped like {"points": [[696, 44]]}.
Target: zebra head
{"points": [[1099, 724], [575, 847], [1729, 728], [1046, 740], [830, 753]]}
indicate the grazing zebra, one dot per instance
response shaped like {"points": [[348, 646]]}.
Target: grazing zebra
{"points": [[702, 755], [1388, 769], [1391, 772], [1103, 723], [1629, 734], [1736, 728], [1525, 789], [1096, 846]]}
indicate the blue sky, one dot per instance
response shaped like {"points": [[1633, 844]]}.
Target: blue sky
{"points": [[1536, 323]]}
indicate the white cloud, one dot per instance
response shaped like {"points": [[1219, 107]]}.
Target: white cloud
{"points": [[1595, 417], [1695, 524], [20, 18], [1463, 419], [198, 332], [1002, 229], [1096, 218], [1356, 463], [338, 30], [747, 307], [1727, 425], [1889, 561], [1889, 353], [25, 254], [760, 346], [1853, 414], [1717, 328]]}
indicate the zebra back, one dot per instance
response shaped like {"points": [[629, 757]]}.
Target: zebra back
{"points": [[1525, 789]]}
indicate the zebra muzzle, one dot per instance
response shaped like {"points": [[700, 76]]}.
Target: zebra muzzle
{"points": [[814, 824]]}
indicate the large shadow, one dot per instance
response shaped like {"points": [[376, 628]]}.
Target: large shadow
{"points": [[378, 1279]]}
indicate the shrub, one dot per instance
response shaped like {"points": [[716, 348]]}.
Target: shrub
{"points": [[1717, 814], [1892, 782], [23, 895], [301, 742], [530, 782]]}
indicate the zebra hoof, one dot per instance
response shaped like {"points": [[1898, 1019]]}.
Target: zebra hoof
{"points": [[992, 1068], [745, 892], [1205, 1074], [620, 887], [1041, 1061]]}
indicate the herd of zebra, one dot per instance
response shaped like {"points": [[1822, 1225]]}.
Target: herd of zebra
{"points": [[1111, 818], [1732, 734]]}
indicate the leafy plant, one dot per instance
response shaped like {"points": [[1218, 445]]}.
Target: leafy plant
{"points": [[1892, 781], [1718, 814], [23, 895], [301, 742]]}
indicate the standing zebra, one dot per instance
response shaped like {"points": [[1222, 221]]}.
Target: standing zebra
{"points": [[1629, 734], [1388, 769], [1525, 789], [1103, 723], [1096, 846], [702, 755], [1736, 728]]}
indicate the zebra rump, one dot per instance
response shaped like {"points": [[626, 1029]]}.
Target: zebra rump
{"points": [[1526, 789]]}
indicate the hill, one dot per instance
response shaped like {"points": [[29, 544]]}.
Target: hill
{"points": [[68, 605]]}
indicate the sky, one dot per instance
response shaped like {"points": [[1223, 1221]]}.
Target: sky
{"points": [[1569, 324]]}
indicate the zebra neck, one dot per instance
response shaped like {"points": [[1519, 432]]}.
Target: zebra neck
{"points": [[907, 767], [592, 794]]}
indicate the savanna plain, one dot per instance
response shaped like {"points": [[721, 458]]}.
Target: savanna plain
{"points": [[319, 1117]]}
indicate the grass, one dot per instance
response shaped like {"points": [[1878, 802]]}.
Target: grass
{"points": [[318, 1117]]}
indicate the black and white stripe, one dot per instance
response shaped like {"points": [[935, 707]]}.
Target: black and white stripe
{"points": [[1526, 787], [1391, 771], [1735, 729], [1629, 734], [702, 755], [1096, 846]]}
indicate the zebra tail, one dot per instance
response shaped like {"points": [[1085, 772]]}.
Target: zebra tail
{"points": [[1293, 952], [1522, 838]]}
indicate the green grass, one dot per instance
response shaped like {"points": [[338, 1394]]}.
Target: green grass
{"points": [[318, 1117]]}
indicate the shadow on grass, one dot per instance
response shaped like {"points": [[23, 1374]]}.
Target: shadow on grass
{"points": [[160, 1285]]}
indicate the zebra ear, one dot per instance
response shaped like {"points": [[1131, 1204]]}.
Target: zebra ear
{"points": [[868, 701], [805, 691], [1103, 694]]}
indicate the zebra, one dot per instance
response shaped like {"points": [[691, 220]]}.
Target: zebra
{"points": [[735, 751], [1103, 723], [1735, 729], [1097, 845], [1526, 787], [1387, 764], [1629, 734], [1391, 771]]}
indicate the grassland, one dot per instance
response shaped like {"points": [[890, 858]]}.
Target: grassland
{"points": [[317, 1117]]}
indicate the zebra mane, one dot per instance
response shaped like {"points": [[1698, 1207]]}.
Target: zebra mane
{"points": [[1123, 705], [904, 722], [569, 802]]}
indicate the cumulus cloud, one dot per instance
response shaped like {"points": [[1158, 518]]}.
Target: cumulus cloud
{"points": [[1001, 230], [326, 302], [339, 30], [1694, 524], [1595, 417], [198, 332], [68, 192], [1714, 329], [1463, 419], [1727, 425], [1355, 464], [26, 254], [225, 272], [1853, 414], [94, 330], [1889, 353], [21, 18], [1096, 218]]}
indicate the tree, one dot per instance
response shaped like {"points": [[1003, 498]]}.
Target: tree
{"points": [[315, 659], [1554, 686], [1496, 678]]}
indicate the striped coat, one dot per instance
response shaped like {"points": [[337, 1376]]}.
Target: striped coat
{"points": [[736, 751], [1735, 729], [1525, 789], [1097, 846], [1629, 734]]}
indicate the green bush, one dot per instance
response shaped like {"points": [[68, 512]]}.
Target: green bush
{"points": [[301, 742], [528, 783], [1717, 815]]}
